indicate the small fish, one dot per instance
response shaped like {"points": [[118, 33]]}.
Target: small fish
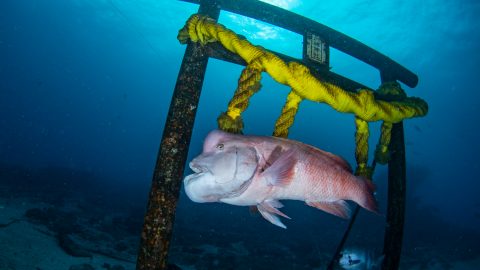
{"points": [[358, 259], [260, 171]]}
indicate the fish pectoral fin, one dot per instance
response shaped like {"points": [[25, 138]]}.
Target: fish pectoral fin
{"points": [[280, 167], [338, 208], [269, 211]]}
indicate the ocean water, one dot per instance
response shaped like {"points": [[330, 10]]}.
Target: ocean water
{"points": [[85, 87]]}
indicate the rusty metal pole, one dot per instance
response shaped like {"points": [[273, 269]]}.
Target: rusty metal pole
{"points": [[392, 245], [396, 200], [166, 182]]}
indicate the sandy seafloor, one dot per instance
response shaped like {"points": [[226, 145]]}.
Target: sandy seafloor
{"points": [[64, 224], [27, 246]]}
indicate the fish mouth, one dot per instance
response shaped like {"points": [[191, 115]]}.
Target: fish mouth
{"points": [[198, 171], [196, 168]]}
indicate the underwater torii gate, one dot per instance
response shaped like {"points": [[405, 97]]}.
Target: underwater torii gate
{"points": [[167, 178]]}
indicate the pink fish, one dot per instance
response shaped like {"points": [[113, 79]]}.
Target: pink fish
{"points": [[259, 171]]}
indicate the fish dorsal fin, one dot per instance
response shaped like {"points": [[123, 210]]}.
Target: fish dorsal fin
{"points": [[279, 167], [340, 161], [336, 159], [268, 210]]}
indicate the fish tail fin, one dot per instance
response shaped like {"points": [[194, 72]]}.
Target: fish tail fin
{"points": [[367, 199]]}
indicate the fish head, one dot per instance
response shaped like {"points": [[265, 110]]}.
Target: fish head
{"points": [[224, 169]]}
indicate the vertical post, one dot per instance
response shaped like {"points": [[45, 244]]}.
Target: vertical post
{"points": [[167, 177], [392, 247]]}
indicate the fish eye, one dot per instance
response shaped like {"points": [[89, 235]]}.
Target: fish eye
{"points": [[220, 146]]}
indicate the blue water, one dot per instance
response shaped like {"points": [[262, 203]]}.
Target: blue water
{"points": [[85, 88]]}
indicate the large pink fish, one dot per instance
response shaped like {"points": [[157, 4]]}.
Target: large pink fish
{"points": [[259, 171]]}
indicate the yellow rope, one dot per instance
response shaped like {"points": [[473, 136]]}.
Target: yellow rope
{"points": [[362, 104], [361, 151], [382, 154], [285, 121], [248, 84]]}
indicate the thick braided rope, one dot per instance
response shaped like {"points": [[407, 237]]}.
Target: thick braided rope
{"points": [[361, 151], [248, 84], [362, 104], [382, 154], [285, 121]]}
